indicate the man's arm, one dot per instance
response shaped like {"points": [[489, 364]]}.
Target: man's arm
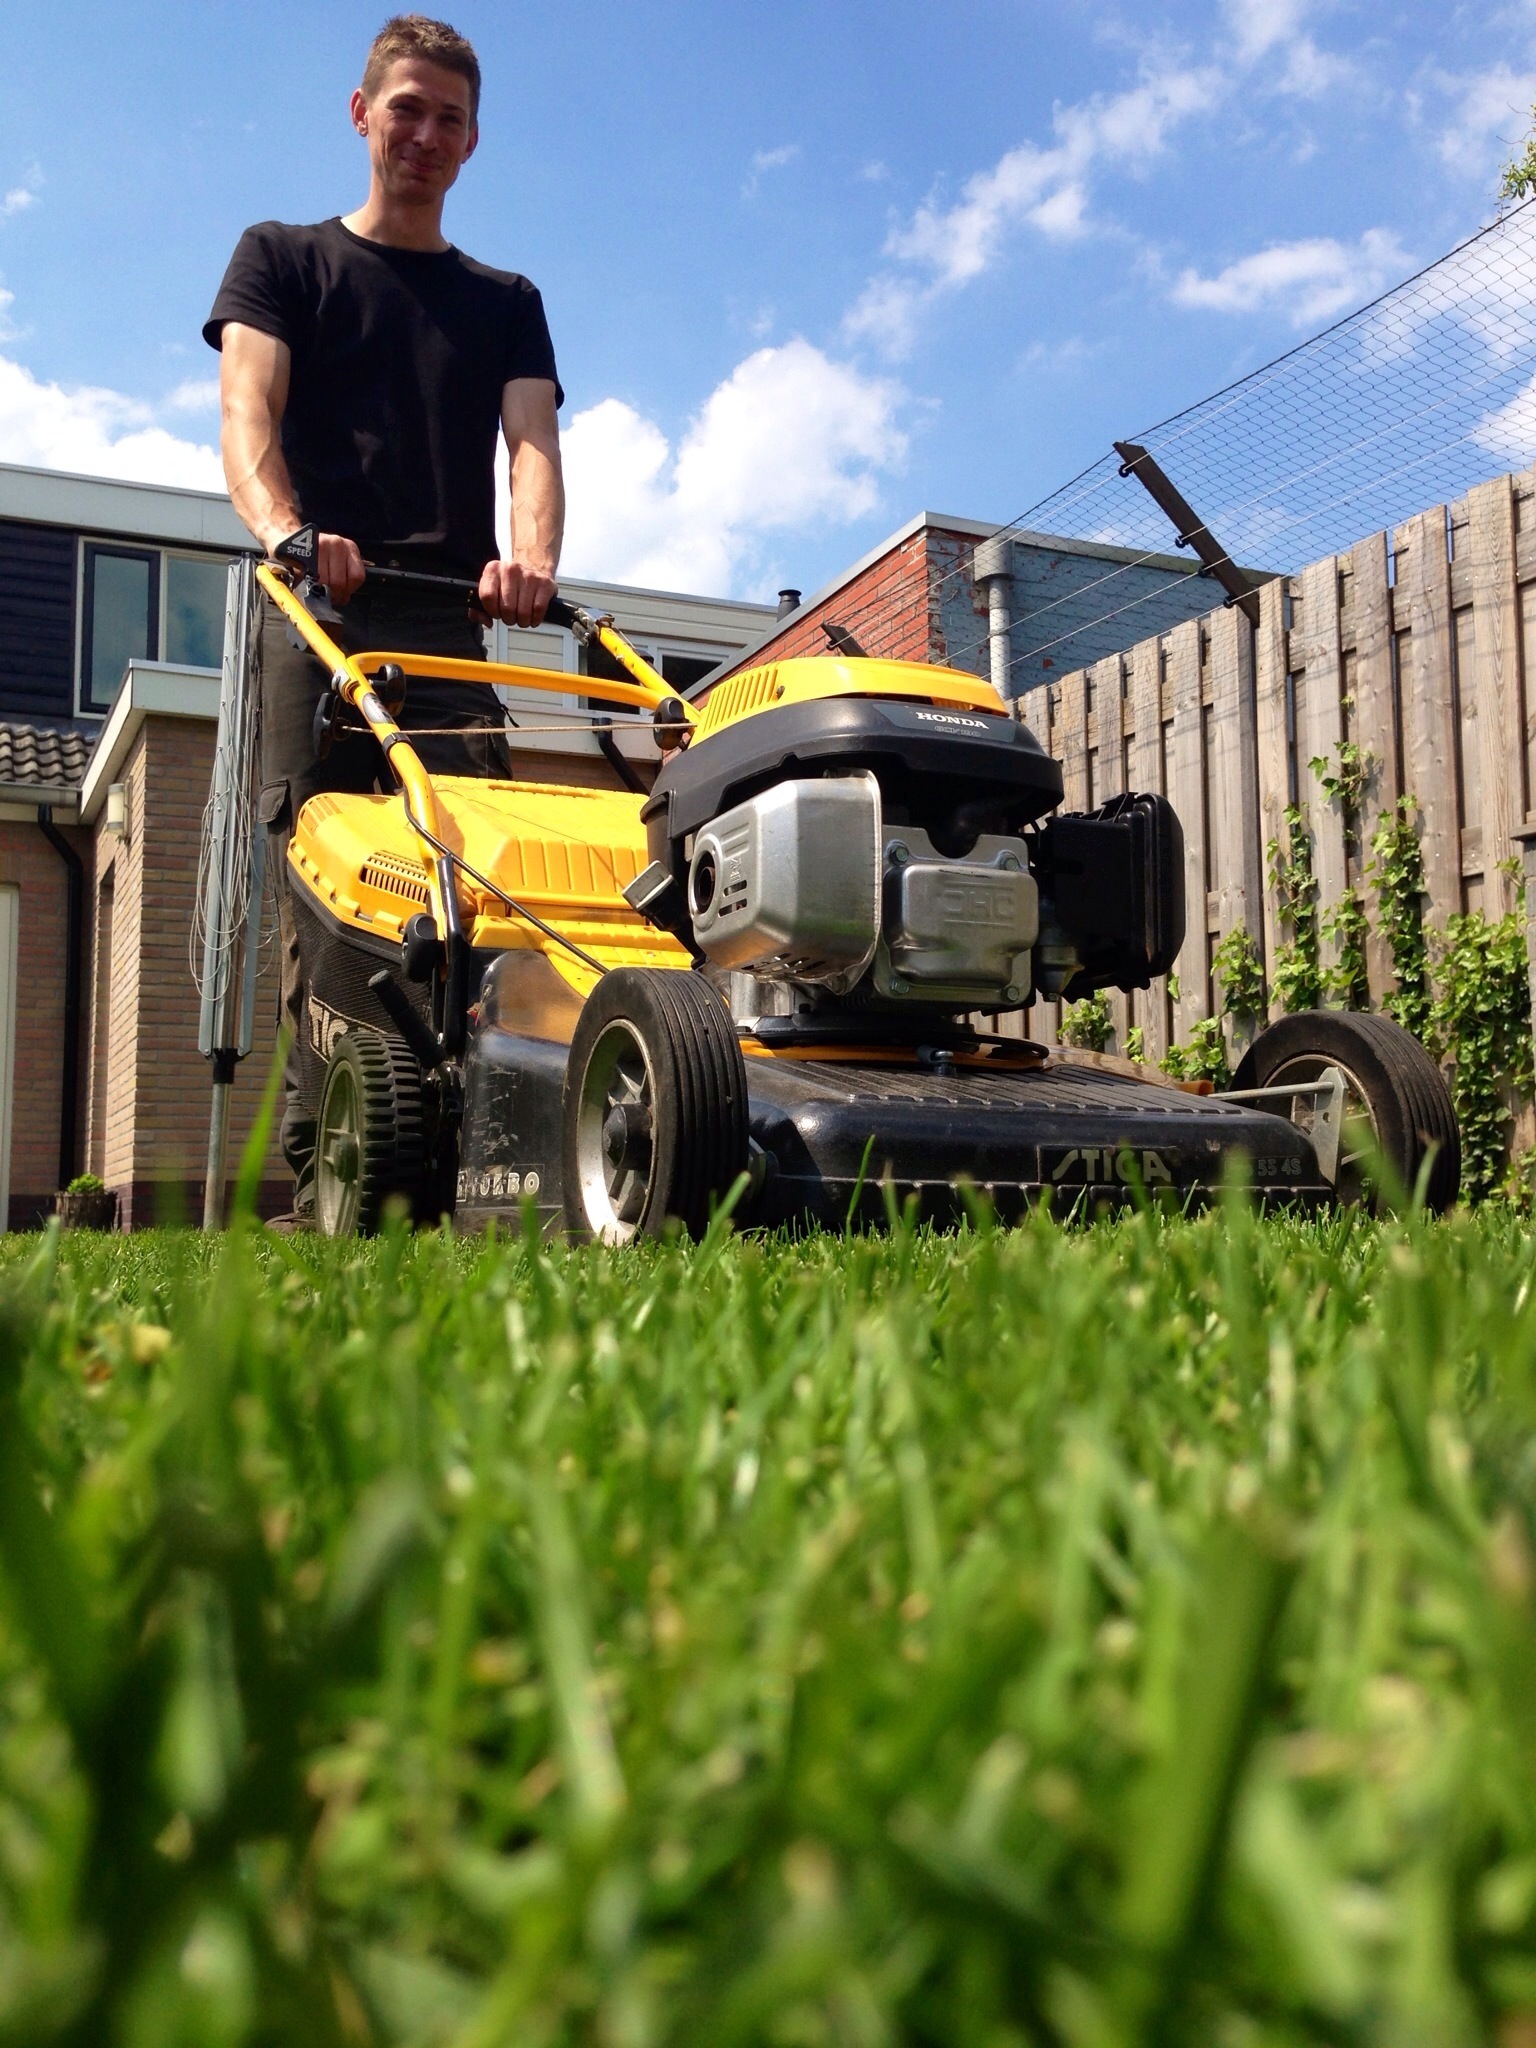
{"points": [[253, 389], [520, 588]]}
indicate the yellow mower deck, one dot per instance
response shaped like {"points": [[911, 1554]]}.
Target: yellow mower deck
{"points": [[565, 853]]}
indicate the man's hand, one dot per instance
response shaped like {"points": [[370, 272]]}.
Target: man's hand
{"points": [[339, 566], [518, 591]]}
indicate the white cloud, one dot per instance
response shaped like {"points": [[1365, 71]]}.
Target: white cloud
{"points": [[790, 440], [196, 394], [1311, 280], [886, 314], [1491, 113], [769, 160], [21, 196], [95, 432], [1047, 187], [1509, 434], [1043, 188], [1270, 31]]}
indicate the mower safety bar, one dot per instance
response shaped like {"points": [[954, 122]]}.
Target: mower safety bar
{"points": [[351, 680], [296, 557]]}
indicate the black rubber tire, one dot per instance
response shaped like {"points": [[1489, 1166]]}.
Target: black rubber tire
{"points": [[662, 1038], [369, 1134], [1402, 1089]]}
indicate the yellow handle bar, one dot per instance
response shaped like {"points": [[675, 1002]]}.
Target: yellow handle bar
{"points": [[351, 683]]}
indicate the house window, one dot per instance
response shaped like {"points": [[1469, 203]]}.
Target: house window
{"points": [[146, 604], [121, 615], [196, 587], [677, 666]]}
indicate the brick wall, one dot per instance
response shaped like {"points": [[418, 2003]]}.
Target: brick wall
{"points": [[28, 861], [889, 608]]}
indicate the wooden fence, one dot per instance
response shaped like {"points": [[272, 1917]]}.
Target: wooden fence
{"points": [[1415, 646]]}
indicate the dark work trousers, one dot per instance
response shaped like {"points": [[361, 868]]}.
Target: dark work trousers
{"points": [[292, 681]]}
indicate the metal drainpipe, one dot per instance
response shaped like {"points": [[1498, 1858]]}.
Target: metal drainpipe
{"points": [[74, 899], [992, 565]]}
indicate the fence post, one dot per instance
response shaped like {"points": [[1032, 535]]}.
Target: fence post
{"points": [[1270, 668], [1495, 683], [1186, 792], [1375, 724], [1422, 607], [1317, 654], [1237, 874], [1148, 774]]}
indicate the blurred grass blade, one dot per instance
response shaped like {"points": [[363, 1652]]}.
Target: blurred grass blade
{"points": [[1182, 1807], [586, 1740], [387, 1523], [50, 1594]]}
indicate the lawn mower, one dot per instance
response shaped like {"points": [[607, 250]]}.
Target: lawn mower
{"points": [[777, 976]]}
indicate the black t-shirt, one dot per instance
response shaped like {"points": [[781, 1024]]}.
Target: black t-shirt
{"points": [[394, 399]]}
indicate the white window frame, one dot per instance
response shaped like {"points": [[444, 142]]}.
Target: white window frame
{"points": [[130, 544]]}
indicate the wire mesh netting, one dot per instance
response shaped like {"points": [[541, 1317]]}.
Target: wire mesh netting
{"points": [[1426, 391]]}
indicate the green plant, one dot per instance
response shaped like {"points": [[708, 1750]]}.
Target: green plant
{"points": [[1296, 975], [1396, 873], [1088, 1023], [1481, 1019], [1203, 1058], [1346, 783], [1237, 970], [1345, 923], [1519, 177], [86, 1184], [1136, 1044]]}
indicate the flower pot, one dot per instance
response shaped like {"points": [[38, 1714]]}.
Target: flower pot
{"points": [[90, 1209]]}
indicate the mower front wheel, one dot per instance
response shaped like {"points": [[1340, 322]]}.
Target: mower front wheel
{"points": [[654, 1112], [1397, 1107], [369, 1139]]}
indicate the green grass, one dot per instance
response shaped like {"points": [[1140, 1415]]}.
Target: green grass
{"points": [[1064, 1637]]}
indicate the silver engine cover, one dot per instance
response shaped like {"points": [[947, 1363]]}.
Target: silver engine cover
{"points": [[957, 930], [788, 883]]}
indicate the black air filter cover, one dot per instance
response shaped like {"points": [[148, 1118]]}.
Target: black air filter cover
{"points": [[1113, 881], [913, 749]]}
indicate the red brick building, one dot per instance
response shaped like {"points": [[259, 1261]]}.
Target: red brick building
{"points": [[917, 597]]}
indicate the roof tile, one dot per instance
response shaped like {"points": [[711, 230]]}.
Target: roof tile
{"points": [[35, 755]]}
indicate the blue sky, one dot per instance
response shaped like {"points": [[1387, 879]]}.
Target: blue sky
{"points": [[809, 268]]}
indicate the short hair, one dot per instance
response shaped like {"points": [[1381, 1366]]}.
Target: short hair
{"points": [[418, 35]]}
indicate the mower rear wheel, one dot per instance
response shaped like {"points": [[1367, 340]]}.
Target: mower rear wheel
{"points": [[1396, 1101], [654, 1111], [369, 1139]]}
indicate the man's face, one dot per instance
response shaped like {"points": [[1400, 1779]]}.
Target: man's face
{"points": [[418, 129]]}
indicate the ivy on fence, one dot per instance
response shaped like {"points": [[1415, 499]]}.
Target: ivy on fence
{"points": [[1481, 1018], [1297, 976], [1397, 874], [1087, 1023]]}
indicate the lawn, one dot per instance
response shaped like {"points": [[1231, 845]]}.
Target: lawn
{"points": [[1078, 1637]]}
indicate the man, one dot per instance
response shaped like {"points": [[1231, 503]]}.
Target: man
{"points": [[366, 366]]}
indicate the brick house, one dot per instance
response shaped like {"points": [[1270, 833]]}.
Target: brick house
{"points": [[917, 597], [111, 627]]}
